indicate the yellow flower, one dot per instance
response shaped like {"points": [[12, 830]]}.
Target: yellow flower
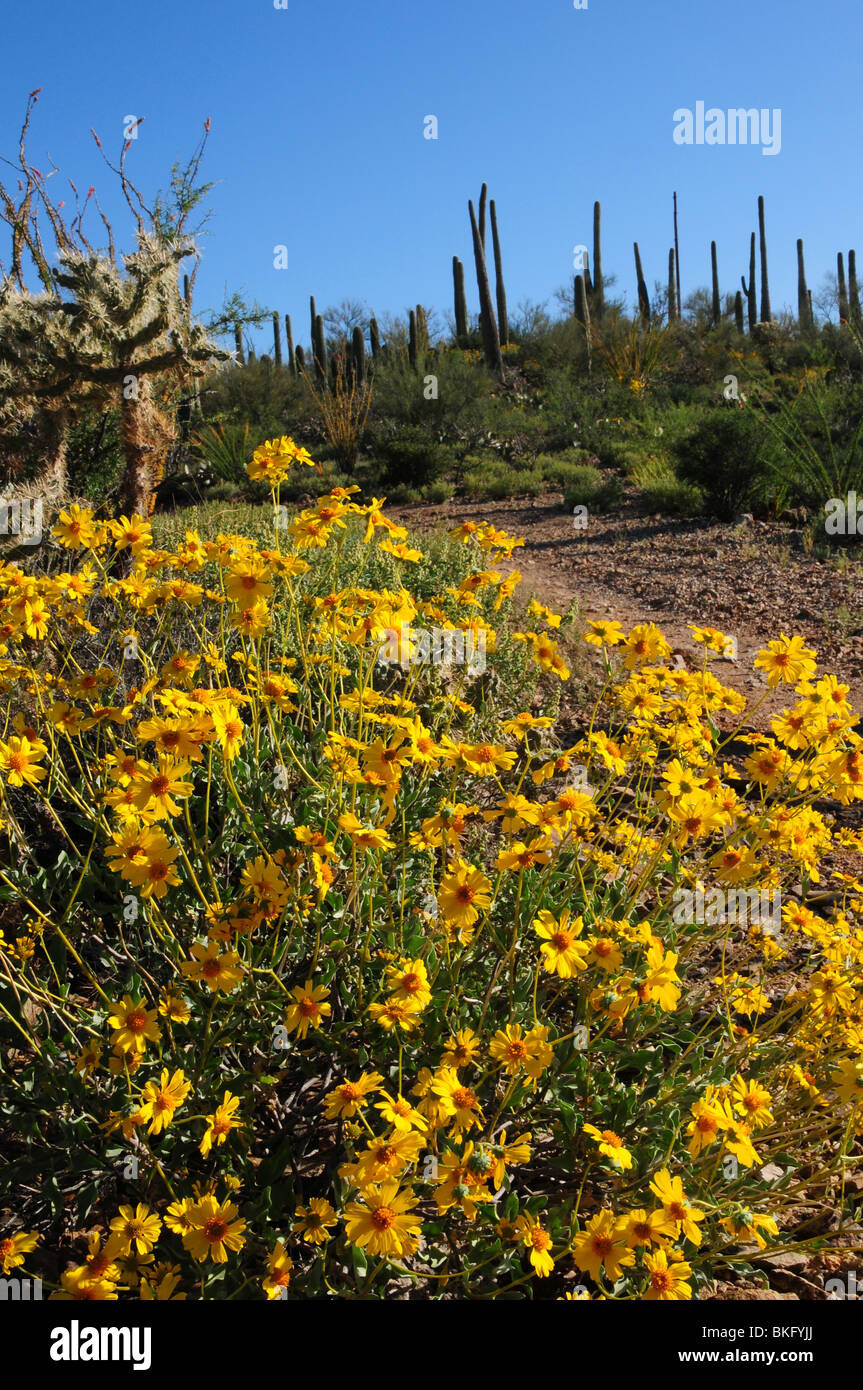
{"points": [[162, 1099], [562, 954], [139, 1227], [457, 1101], [351, 1096], [133, 1024], [229, 729], [680, 1217], [463, 894], [278, 1278], [218, 972], [215, 1230], [313, 1222], [308, 1009], [610, 1146], [220, 1123], [538, 1242], [786, 660], [667, 1277], [14, 1248], [382, 1221], [602, 1245]]}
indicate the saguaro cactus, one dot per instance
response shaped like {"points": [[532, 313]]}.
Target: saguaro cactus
{"points": [[289, 339], [672, 305], [598, 295], [483, 199], [277, 338], [749, 290], [643, 300], [677, 262], [359, 354], [412, 338], [738, 311], [765, 287], [319, 350], [460, 299], [422, 329], [491, 340], [854, 291], [844, 306], [300, 359], [238, 344], [715, 305], [804, 316], [313, 314], [582, 312], [375, 338], [502, 319]]}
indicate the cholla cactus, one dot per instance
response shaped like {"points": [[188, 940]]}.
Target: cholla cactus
{"points": [[102, 327], [101, 337]]}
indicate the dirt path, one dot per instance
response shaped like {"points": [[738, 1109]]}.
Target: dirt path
{"points": [[752, 581]]}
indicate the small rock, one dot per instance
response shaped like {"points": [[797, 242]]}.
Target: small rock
{"points": [[787, 1259], [771, 1172]]}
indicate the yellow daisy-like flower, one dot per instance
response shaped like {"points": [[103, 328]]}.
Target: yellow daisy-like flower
{"points": [[562, 953], [308, 1010], [216, 1230], [314, 1221], [786, 661], [138, 1227]]}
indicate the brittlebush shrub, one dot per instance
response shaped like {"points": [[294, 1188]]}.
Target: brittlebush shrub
{"points": [[327, 965]]}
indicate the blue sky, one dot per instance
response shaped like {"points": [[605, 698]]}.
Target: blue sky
{"points": [[317, 141]]}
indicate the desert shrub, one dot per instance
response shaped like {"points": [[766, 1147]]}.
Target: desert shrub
{"points": [[589, 487], [497, 479], [664, 491], [729, 456], [818, 438], [412, 457]]}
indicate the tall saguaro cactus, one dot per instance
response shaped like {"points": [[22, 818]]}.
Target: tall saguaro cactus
{"points": [[289, 339], [460, 299], [804, 312], [765, 286], [738, 311], [359, 354], [582, 313], [749, 290], [672, 305], [715, 305], [319, 350], [677, 262], [374, 339], [277, 339], [854, 291], [412, 338], [483, 199], [422, 329], [844, 306], [598, 295], [491, 339], [643, 300], [502, 319]]}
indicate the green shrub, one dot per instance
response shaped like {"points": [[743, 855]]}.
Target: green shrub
{"points": [[590, 488], [818, 440], [412, 458], [730, 457], [664, 491], [497, 479], [438, 492]]}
